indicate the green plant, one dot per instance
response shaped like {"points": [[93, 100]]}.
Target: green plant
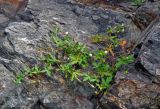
{"points": [[110, 36], [138, 2], [105, 83], [90, 78], [19, 78], [48, 69], [34, 71], [123, 60], [119, 28], [98, 38], [105, 71], [27, 72], [66, 69], [79, 63], [79, 59], [75, 75], [49, 59]]}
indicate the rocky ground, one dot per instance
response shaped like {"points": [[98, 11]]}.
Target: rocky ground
{"points": [[25, 29]]}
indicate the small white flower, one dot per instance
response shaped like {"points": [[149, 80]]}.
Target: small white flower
{"points": [[3, 85], [90, 55], [123, 30], [66, 33], [106, 52]]}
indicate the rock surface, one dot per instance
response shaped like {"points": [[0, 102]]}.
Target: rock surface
{"points": [[133, 91], [149, 55], [24, 36]]}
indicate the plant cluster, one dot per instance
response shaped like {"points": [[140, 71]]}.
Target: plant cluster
{"points": [[138, 2], [79, 63]]}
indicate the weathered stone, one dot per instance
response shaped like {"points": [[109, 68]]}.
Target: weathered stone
{"points": [[30, 41], [11, 7], [149, 55], [146, 14], [10, 95], [139, 94], [134, 94], [25, 36]]}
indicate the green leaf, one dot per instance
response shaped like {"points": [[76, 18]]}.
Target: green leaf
{"points": [[48, 70], [124, 60], [75, 75], [19, 78]]}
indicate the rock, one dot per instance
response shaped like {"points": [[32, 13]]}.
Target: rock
{"points": [[139, 94], [55, 94], [6, 80], [10, 96], [88, 1], [146, 13], [149, 54], [28, 41], [11, 7], [141, 15], [133, 93], [26, 36], [3, 18]]}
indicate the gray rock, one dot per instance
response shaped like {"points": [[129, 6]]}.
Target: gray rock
{"points": [[30, 40], [149, 55], [133, 94], [145, 14], [26, 36]]}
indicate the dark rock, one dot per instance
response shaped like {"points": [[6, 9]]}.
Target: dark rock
{"points": [[133, 94], [25, 36], [149, 55], [11, 8], [145, 14], [138, 94]]}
